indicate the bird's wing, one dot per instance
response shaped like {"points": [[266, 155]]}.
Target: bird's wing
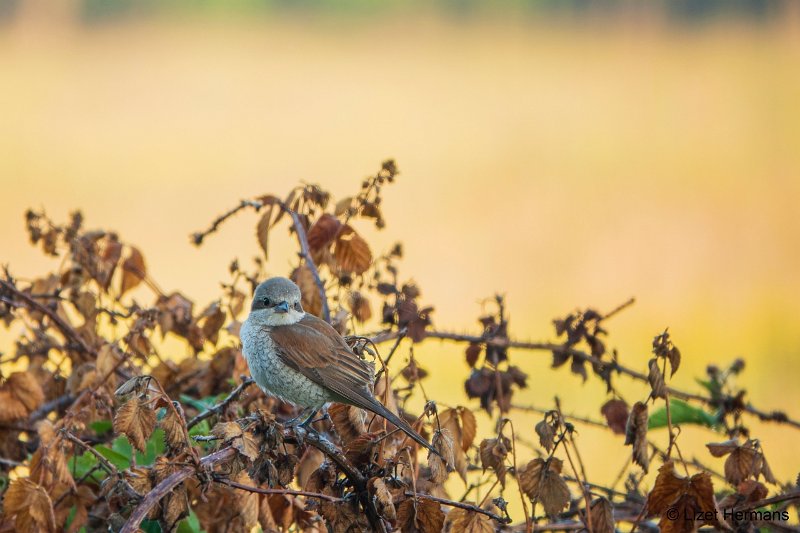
{"points": [[316, 350]]}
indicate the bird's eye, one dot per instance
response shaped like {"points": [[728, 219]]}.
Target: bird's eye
{"points": [[266, 301], [297, 306]]}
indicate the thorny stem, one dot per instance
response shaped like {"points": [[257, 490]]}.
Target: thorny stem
{"points": [[460, 505], [519, 487], [773, 416], [218, 408], [290, 492]]}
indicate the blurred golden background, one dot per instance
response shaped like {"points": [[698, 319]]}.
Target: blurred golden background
{"points": [[565, 157]]}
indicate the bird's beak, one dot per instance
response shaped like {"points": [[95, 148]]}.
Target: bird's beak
{"points": [[282, 307]]}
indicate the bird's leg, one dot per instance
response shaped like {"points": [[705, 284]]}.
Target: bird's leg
{"points": [[302, 416], [309, 418]]}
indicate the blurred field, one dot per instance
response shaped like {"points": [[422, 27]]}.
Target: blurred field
{"points": [[562, 163]]}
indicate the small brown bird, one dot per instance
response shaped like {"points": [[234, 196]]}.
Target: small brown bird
{"points": [[301, 359]]}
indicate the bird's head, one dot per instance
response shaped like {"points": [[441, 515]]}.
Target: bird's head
{"points": [[277, 302]]}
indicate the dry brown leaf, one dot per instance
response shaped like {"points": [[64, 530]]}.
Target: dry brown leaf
{"points": [[636, 434], [443, 443], [466, 521], [744, 461], [428, 516], [135, 420], [133, 271], [689, 496], [602, 516], [246, 502], [384, 502], [262, 230], [461, 424], [310, 298], [24, 390], [493, 455], [472, 353], [351, 251], [349, 421], [31, 506], [244, 441], [616, 414], [656, 380], [323, 232], [173, 428], [359, 307], [342, 206], [541, 480], [547, 432]]}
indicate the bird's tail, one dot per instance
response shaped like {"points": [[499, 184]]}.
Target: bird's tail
{"points": [[379, 409]]}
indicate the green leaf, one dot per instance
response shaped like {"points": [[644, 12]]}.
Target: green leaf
{"points": [[150, 526], [101, 426], [190, 524], [201, 428], [118, 458], [681, 413], [80, 465]]}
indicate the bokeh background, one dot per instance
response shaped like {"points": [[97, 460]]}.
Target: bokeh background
{"points": [[564, 154]]}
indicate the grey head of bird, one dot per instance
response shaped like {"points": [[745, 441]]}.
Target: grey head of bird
{"points": [[277, 302]]}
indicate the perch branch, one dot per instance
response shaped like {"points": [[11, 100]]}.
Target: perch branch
{"points": [[168, 484], [460, 505], [198, 237], [290, 492], [772, 416]]}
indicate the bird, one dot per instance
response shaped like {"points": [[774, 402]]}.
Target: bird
{"points": [[303, 360]]}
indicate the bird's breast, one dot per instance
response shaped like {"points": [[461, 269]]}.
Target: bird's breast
{"points": [[272, 374]]}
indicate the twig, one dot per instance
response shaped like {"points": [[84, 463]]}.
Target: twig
{"points": [[290, 492], [789, 496], [772, 416], [52, 405], [168, 484], [218, 408], [460, 505], [197, 238], [66, 329], [110, 468], [305, 252]]}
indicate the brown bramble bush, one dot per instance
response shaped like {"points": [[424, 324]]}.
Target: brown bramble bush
{"points": [[100, 432]]}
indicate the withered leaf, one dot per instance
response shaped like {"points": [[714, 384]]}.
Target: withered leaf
{"points": [[443, 443], [461, 424], [342, 206], [310, 297], [428, 516], [173, 428], [384, 502], [351, 251], [323, 232], [262, 230], [686, 495], [636, 434], [547, 432], [243, 441], [656, 380], [133, 270], [246, 502], [359, 306], [466, 521], [136, 420], [31, 505], [616, 414], [473, 352], [541, 480], [20, 395], [602, 516], [493, 454], [348, 420]]}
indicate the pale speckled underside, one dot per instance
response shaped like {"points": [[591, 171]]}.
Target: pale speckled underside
{"points": [[272, 375]]}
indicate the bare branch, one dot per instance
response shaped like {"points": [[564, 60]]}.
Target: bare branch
{"points": [[290, 492], [218, 408]]}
